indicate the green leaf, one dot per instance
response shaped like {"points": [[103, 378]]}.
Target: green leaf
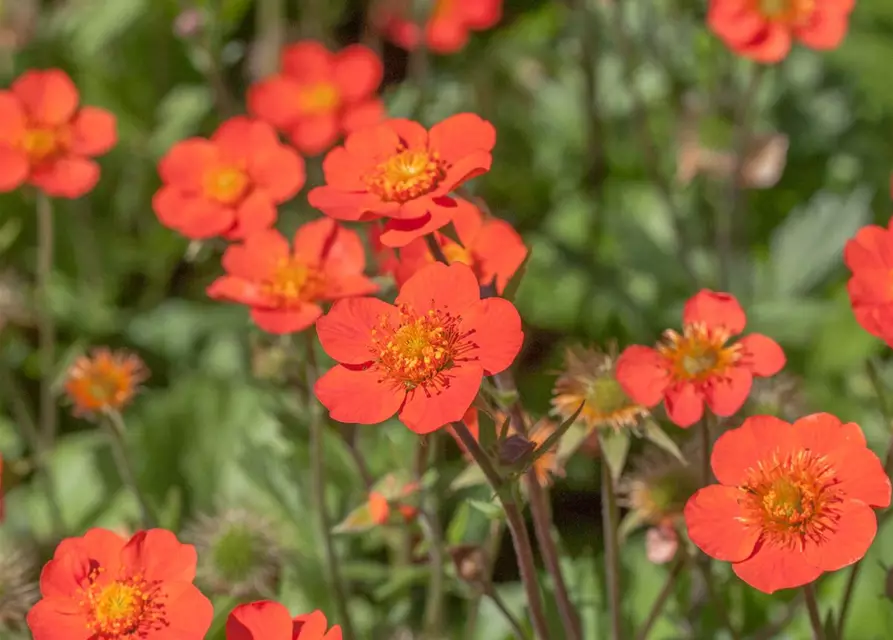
{"points": [[615, 447], [472, 476], [630, 522], [573, 439], [455, 533], [357, 521], [486, 430], [659, 437], [492, 510]]}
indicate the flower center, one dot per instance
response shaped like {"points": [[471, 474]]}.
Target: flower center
{"points": [[455, 252], [226, 185], [41, 144], [406, 175], [319, 99], [793, 499], [699, 353], [607, 396], [294, 283], [442, 8], [785, 11], [129, 606], [420, 348]]}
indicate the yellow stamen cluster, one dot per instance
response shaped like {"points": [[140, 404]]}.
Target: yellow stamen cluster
{"points": [[785, 11], [406, 175], [127, 607], [294, 282], [698, 353], [226, 185]]}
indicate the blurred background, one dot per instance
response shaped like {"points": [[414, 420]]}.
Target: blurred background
{"points": [[618, 125]]}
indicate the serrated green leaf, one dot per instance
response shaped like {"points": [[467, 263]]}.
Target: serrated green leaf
{"points": [[615, 447], [659, 438]]}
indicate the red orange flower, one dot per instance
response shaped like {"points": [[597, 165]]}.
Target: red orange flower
{"points": [[284, 285], [104, 380], [793, 501], [763, 29], [869, 257], [423, 358], [319, 95], [104, 586], [46, 140], [491, 247], [699, 364], [267, 620], [446, 30], [229, 185], [400, 171]]}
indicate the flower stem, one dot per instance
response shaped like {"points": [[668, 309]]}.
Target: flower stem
{"points": [[318, 473], [46, 326], [430, 521], [815, 619], [517, 528], [115, 428], [517, 629], [662, 597], [610, 518], [494, 541]]}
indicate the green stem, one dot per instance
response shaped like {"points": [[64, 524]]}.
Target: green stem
{"points": [[815, 619], [662, 597], [517, 528], [318, 473], [610, 522], [115, 429], [514, 623], [494, 541], [430, 521], [45, 322]]}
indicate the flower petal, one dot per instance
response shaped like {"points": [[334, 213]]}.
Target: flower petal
{"points": [[14, 169], [255, 214], [358, 396], [861, 475], [495, 327], [193, 216], [362, 114], [736, 451], [189, 613], [715, 310], [49, 97], [307, 61], [285, 321], [771, 568], [345, 332], [185, 164], [428, 409], [276, 100], [258, 256], [12, 119], [713, 517], [461, 135], [241, 138], [642, 372], [264, 620], [240, 290], [452, 288], [398, 232], [94, 132], [66, 177], [727, 393], [357, 72], [343, 205], [279, 170], [852, 533], [684, 404], [58, 619], [761, 354], [158, 555], [314, 134]]}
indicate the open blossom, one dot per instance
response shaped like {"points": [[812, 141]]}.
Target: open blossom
{"points": [[46, 140], [491, 247], [268, 620], [763, 30], [869, 256], [104, 380], [318, 95], [284, 285], [447, 29], [104, 586], [400, 171], [229, 185], [423, 358], [700, 364], [793, 500]]}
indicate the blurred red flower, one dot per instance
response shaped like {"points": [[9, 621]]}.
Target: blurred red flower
{"points": [[104, 586], [104, 380], [869, 256], [763, 30], [793, 501], [491, 247], [284, 285], [446, 30], [319, 95], [698, 365], [229, 185], [400, 171], [423, 358], [268, 620], [46, 140]]}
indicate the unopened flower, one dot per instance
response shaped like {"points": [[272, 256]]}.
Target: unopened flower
{"points": [[589, 376], [103, 381], [239, 553], [400, 171], [267, 620], [104, 586], [657, 485], [661, 543], [763, 30], [446, 30], [47, 140], [793, 500], [701, 364], [18, 585], [423, 359]]}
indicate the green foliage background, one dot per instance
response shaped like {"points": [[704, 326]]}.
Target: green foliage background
{"points": [[566, 85]]}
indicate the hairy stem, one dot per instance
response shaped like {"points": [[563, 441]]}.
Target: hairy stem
{"points": [[610, 522], [115, 428], [430, 521]]}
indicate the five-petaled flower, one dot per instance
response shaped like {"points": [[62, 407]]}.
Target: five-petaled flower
{"points": [[319, 95], [447, 28], [869, 257], [105, 380], [400, 171], [229, 185], [699, 364], [268, 620], [763, 29], [491, 247], [46, 140], [102, 586], [793, 501], [284, 285], [424, 358]]}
